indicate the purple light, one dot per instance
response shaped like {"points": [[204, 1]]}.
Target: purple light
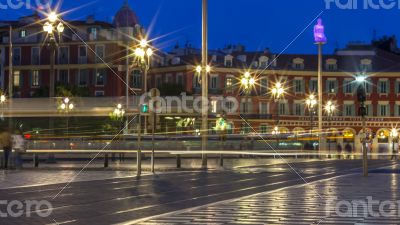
{"points": [[319, 32]]}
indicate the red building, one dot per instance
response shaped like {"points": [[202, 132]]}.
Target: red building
{"points": [[92, 56]]}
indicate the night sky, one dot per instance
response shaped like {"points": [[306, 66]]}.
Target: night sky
{"points": [[255, 23]]}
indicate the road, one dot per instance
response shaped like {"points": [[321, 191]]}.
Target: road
{"points": [[120, 200]]}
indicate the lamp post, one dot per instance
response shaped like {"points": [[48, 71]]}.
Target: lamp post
{"points": [[52, 25], [118, 115], [330, 109], [320, 39], [2, 101], [362, 97], [394, 134], [247, 82], [311, 102], [66, 106], [220, 126], [277, 92], [203, 72], [276, 133], [143, 54]]}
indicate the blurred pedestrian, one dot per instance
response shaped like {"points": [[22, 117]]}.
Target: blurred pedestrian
{"points": [[348, 149], [339, 150], [6, 143], [19, 146]]}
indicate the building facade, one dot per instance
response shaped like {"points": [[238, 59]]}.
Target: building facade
{"points": [[96, 56]]}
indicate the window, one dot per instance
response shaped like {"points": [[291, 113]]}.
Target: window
{"points": [[93, 33], [63, 55], [383, 87], [245, 128], [22, 33], [137, 79], [196, 81], [63, 77], [264, 129], [214, 82], [349, 110], [82, 55], [398, 87], [99, 53], [368, 86], [101, 77], [229, 106], [298, 64], [246, 106], [83, 77], [282, 108], [298, 86], [179, 79], [383, 110], [158, 81], [264, 86], [263, 62], [369, 110], [229, 84], [298, 109], [331, 65], [313, 88], [35, 79], [35, 56], [366, 65], [228, 61], [348, 86], [16, 56], [263, 108], [214, 106], [332, 86], [17, 78], [397, 111], [99, 93]]}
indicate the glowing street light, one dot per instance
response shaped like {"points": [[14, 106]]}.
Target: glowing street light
{"points": [[330, 108], [52, 25], [247, 81], [277, 91], [66, 105], [143, 53], [2, 99], [311, 101]]}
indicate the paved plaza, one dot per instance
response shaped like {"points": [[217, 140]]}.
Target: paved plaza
{"points": [[306, 204], [259, 194]]}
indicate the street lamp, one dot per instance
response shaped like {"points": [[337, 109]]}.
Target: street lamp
{"points": [[362, 97], [66, 106], [311, 101], [277, 92], [203, 71], [320, 39], [52, 25], [330, 109], [247, 82], [2, 101], [143, 53], [394, 134]]}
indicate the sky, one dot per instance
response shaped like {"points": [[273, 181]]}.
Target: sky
{"points": [[280, 25]]}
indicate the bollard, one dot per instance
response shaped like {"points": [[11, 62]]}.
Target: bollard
{"points": [[178, 161], [105, 160], [36, 160], [221, 160]]}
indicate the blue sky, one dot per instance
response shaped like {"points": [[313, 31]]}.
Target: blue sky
{"points": [[255, 23]]}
